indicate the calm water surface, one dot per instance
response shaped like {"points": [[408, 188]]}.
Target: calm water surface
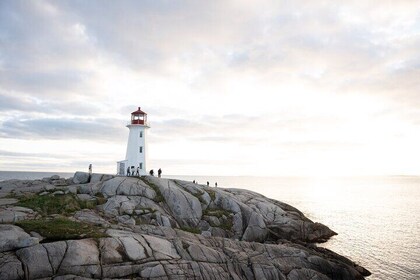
{"points": [[377, 218]]}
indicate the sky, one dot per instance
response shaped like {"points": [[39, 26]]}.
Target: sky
{"points": [[240, 88]]}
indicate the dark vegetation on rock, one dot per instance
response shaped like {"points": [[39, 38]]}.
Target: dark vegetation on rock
{"points": [[103, 226], [60, 228]]}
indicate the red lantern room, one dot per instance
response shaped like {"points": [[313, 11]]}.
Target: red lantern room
{"points": [[139, 117]]}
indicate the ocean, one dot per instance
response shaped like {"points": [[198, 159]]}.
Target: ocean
{"points": [[377, 218]]}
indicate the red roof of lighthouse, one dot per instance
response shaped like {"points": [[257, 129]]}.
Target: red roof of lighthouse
{"points": [[138, 112]]}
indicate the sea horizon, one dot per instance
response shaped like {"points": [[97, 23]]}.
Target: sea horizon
{"points": [[250, 176]]}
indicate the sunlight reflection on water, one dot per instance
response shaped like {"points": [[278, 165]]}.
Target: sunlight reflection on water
{"points": [[376, 218]]}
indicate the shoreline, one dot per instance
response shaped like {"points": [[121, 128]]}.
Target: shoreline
{"points": [[148, 207]]}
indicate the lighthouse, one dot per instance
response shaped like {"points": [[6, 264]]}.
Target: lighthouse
{"points": [[136, 155]]}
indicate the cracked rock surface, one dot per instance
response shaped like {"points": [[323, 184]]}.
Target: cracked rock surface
{"points": [[156, 228]]}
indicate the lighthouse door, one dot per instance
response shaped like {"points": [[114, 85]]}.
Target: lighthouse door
{"points": [[121, 169]]}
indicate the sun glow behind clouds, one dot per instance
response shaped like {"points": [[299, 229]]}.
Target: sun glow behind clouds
{"points": [[297, 88]]}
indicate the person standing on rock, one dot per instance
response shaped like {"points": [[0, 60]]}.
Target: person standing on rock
{"points": [[159, 172], [90, 169], [138, 171], [128, 171], [208, 184], [215, 184], [151, 172]]}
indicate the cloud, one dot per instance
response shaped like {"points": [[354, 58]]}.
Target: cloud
{"points": [[31, 105], [319, 75], [331, 46], [26, 155], [47, 128]]}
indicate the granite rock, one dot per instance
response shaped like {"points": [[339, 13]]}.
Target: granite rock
{"points": [[13, 237], [169, 229], [81, 177]]}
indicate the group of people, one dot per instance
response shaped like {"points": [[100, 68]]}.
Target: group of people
{"points": [[130, 172], [208, 184], [152, 173]]}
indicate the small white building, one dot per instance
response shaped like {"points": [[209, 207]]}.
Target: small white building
{"points": [[136, 155]]}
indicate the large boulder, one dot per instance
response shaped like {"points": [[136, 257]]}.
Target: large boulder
{"points": [[10, 267], [91, 188], [81, 258], [98, 177], [13, 237], [185, 207], [128, 186], [7, 201], [14, 214], [90, 217], [276, 220], [256, 229], [81, 177], [35, 261]]}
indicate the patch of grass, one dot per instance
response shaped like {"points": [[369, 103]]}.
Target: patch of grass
{"points": [[159, 197], [185, 245], [212, 194], [11, 195], [139, 221], [190, 229], [148, 209], [225, 217], [219, 213], [227, 224], [61, 229], [61, 204], [87, 204], [199, 197], [100, 199]]}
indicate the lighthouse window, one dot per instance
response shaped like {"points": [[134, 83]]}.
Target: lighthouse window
{"points": [[141, 134], [141, 165], [141, 149]]}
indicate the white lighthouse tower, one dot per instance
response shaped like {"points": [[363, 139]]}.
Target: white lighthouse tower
{"points": [[136, 155]]}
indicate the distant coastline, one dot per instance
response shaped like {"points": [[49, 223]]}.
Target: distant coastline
{"points": [[31, 175]]}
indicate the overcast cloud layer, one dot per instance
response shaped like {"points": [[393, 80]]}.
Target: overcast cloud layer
{"points": [[230, 87]]}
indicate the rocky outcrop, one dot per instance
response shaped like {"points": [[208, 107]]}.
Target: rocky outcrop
{"points": [[173, 253], [81, 178], [13, 237], [155, 228]]}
